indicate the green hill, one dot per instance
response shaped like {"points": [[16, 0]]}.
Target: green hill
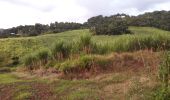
{"points": [[24, 45], [122, 69], [18, 47]]}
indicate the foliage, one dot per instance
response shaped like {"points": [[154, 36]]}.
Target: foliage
{"points": [[43, 56], [8, 78], [85, 42], [61, 50], [37, 29], [37, 59], [113, 25], [74, 43], [164, 73], [30, 61], [109, 25], [158, 19], [81, 63]]}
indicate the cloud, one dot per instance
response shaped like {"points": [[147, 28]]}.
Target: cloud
{"points": [[30, 12], [107, 7], [41, 5], [21, 12]]}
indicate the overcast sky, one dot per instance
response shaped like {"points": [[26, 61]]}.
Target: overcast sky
{"points": [[28, 12]]}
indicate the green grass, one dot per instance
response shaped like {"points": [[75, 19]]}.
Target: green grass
{"points": [[81, 89], [143, 38], [19, 47], [25, 45], [23, 96], [22, 92], [104, 87], [8, 78]]}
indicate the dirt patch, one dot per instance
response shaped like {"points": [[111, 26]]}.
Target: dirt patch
{"points": [[6, 92], [42, 92], [119, 89], [39, 91]]}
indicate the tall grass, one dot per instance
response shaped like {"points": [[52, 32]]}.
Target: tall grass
{"points": [[164, 73], [61, 50], [37, 59], [85, 42], [127, 43], [88, 44], [43, 56], [30, 61]]}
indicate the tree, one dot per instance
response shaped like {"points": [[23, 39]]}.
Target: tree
{"points": [[113, 25]]}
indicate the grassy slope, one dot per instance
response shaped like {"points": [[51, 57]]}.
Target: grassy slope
{"points": [[22, 46], [138, 32], [109, 87]]}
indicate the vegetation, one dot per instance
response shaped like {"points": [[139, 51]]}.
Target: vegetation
{"points": [[13, 50], [114, 25], [61, 50], [164, 72], [37, 29], [116, 67], [158, 19], [110, 25]]}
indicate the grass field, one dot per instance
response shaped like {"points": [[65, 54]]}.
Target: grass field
{"points": [[127, 72], [143, 37], [22, 46]]}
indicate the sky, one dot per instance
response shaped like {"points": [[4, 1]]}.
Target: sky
{"points": [[28, 12]]}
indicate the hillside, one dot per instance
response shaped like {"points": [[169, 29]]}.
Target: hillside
{"points": [[22, 46], [84, 67]]}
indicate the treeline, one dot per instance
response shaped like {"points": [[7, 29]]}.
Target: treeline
{"points": [[99, 25], [118, 24], [158, 19], [113, 25], [37, 29]]}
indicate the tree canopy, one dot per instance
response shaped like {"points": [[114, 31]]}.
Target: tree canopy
{"points": [[113, 25], [99, 25]]}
